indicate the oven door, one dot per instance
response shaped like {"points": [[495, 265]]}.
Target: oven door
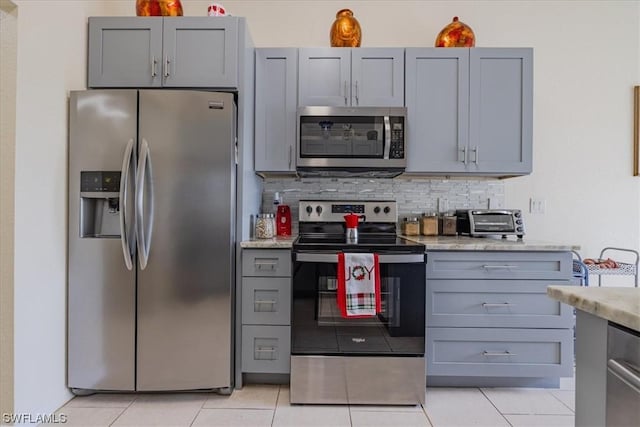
{"points": [[319, 329]]}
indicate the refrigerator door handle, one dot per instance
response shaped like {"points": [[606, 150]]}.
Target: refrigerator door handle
{"points": [[124, 195], [144, 222]]}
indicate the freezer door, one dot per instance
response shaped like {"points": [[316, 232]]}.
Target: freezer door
{"points": [[186, 207], [101, 289]]}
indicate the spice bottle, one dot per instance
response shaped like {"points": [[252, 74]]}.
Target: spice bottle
{"points": [[448, 225], [410, 226], [429, 224]]}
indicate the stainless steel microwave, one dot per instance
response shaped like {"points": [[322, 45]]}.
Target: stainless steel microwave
{"points": [[351, 141]]}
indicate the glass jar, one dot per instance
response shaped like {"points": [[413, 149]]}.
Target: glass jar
{"points": [[410, 226], [265, 226], [429, 224], [448, 224]]}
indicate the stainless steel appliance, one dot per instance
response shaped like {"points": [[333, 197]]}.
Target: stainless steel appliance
{"points": [[623, 377], [490, 222], [152, 196], [377, 360], [346, 141]]}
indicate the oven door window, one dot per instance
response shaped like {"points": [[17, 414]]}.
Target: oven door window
{"points": [[318, 327], [341, 137]]}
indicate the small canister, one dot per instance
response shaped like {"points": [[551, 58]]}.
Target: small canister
{"points": [[410, 226], [265, 226], [448, 225], [429, 224]]}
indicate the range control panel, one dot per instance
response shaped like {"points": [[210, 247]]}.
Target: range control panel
{"points": [[334, 211]]}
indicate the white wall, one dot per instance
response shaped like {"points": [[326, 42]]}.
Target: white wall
{"points": [[587, 58]]}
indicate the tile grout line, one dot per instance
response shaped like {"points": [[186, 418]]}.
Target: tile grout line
{"points": [[567, 406], [424, 411], [273, 417], [125, 408], [492, 404]]}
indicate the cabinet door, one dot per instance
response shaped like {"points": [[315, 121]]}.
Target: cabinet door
{"points": [[125, 52], [377, 77], [276, 101], [324, 76], [200, 52], [437, 93], [501, 110]]}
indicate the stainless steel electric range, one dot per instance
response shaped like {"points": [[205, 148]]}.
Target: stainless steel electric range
{"points": [[336, 360]]}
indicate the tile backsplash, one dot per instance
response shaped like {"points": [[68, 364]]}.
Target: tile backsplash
{"points": [[413, 195]]}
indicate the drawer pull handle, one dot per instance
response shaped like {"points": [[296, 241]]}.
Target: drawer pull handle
{"points": [[266, 263], [259, 301], [494, 353], [266, 350], [497, 304], [499, 267]]}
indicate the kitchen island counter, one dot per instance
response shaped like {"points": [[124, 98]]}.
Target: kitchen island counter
{"points": [[596, 310], [618, 305]]}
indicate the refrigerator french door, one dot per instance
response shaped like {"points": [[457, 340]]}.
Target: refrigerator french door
{"points": [[151, 239]]}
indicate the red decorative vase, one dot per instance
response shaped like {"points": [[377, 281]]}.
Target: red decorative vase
{"points": [[456, 34]]}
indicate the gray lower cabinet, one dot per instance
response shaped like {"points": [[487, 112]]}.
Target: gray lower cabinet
{"points": [[470, 111], [275, 115], [266, 311], [488, 315], [371, 77], [169, 52]]}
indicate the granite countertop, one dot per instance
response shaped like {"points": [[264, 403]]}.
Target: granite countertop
{"points": [[441, 243], [275, 243], [466, 243], [618, 305]]}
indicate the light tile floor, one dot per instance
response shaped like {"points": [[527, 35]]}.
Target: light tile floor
{"points": [[268, 405]]}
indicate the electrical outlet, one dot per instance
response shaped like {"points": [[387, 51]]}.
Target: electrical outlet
{"points": [[537, 206]]}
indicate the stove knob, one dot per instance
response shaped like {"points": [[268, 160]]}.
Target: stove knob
{"points": [[376, 210], [319, 209], [519, 229], [387, 209], [309, 210], [516, 214], [518, 221]]}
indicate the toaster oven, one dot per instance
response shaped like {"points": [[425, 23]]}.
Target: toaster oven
{"points": [[490, 222]]}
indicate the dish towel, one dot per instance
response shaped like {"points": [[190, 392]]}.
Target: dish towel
{"points": [[358, 293]]}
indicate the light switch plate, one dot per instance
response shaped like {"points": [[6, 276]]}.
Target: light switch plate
{"points": [[537, 206]]}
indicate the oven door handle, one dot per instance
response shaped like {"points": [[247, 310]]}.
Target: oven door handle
{"points": [[332, 258]]}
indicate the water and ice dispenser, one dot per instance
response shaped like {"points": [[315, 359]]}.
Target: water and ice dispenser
{"points": [[100, 204]]}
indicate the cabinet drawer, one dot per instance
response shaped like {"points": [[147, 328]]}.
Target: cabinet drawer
{"points": [[266, 300], [499, 265], [266, 349], [266, 262], [495, 303], [497, 352]]}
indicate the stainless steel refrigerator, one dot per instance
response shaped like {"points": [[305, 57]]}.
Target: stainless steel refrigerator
{"points": [[152, 197]]}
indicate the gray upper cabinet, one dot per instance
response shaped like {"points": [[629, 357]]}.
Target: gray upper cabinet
{"points": [[125, 52], [470, 110], [275, 115], [170, 52], [324, 76], [437, 90], [377, 77], [501, 110], [351, 77]]}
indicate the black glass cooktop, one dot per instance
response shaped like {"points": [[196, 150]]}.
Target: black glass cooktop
{"points": [[366, 243]]}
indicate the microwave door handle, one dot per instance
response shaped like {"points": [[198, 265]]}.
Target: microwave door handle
{"points": [[387, 137]]}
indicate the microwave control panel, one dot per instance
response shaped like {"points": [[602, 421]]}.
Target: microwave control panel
{"points": [[397, 138]]}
